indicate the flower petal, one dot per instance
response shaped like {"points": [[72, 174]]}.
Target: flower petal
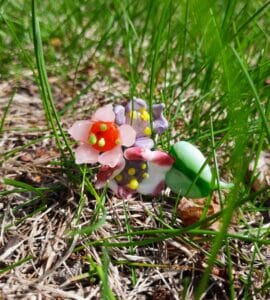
{"points": [[138, 153], [85, 154], [80, 130], [106, 173], [160, 123], [136, 104], [113, 186], [157, 157], [124, 192], [128, 135], [120, 191], [105, 114], [155, 182], [120, 117], [144, 142], [112, 157], [162, 159]]}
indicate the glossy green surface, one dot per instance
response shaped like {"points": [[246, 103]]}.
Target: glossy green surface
{"points": [[187, 178]]}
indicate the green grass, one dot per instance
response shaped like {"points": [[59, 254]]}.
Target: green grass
{"points": [[206, 60]]}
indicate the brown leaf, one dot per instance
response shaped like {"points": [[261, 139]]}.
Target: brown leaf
{"points": [[262, 171], [26, 157], [190, 210]]}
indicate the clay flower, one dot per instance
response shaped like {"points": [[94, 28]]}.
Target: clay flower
{"points": [[101, 139], [136, 114], [143, 171]]}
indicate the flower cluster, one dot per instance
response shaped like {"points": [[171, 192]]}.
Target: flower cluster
{"points": [[120, 139]]}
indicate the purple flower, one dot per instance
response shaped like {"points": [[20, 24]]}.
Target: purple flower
{"points": [[136, 114]]}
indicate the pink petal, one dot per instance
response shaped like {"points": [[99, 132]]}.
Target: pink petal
{"points": [[120, 191], [128, 135], [125, 192], [85, 154], [105, 114], [162, 159], [106, 173], [80, 130], [112, 157], [137, 153]]}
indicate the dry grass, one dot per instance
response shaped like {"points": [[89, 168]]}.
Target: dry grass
{"points": [[57, 269]]}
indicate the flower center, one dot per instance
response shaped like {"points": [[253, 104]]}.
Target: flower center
{"points": [[133, 174], [104, 136]]}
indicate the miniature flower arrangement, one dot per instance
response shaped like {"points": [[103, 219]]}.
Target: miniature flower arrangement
{"points": [[120, 140]]}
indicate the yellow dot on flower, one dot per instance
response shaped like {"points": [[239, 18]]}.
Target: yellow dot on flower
{"points": [[103, 127], [118, 142], [131, 171], [133, 115], [147, 131], [145, 175], [145, 115], [143, 166], [133, 184], [101, 142], [92, 139], [119, 177]]}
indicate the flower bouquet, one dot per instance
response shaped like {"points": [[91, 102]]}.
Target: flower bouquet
{"points": [[120, 140]]}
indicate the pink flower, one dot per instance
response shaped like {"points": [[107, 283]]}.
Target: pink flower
{"points": [[101, 139], [143, 171]]}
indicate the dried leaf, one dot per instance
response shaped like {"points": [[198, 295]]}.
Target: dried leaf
{"points": [[190, 210], [26, 157]]}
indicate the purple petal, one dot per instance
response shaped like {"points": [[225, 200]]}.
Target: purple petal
{"points": [[144, 142], [136, 104], [160, 123], [120, 117]]}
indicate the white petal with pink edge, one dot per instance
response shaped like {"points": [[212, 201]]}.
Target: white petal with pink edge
{"points": [[105, 114], [85, 154], [80, 130], [128, 135], [160, 158], [156, 174], [138, 153], [111, 158]]}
